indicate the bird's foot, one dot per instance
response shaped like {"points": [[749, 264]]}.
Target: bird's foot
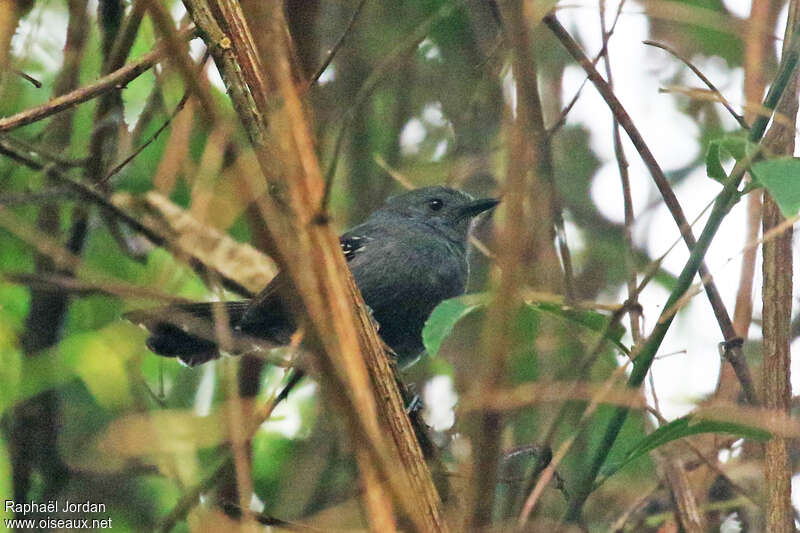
{"points": [[414, 405]]}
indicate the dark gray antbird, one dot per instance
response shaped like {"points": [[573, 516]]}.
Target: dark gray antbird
{"points": [[406, 258]]}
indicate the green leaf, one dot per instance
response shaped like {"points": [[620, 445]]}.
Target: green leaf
{"points": [[734, 146], [781, 177], [677, 429], [447, 314], [591, 320], [714, 168], [440, 324], [738, 147], [99, 359]]}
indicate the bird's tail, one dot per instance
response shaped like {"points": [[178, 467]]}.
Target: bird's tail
{"points": [[187, 331]]}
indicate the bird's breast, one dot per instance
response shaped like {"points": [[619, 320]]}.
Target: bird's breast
{"points": [[403, 281]]}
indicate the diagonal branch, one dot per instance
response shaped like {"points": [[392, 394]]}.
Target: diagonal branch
{"points": [[722, 205], [114, 80], [733, 345], [354, 371]]}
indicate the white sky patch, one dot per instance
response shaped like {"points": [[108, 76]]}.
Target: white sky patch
{"points": [[740, 8], [575, 240], [178, 11], [328, 75], [440, 151], [204, 396], [286, 420], [256, 504], [606, 189], [510, 90], [196, 49], [430, 50], [40, 38], [796, 492], [412, 135], [439, 400], [214, 77], [731, 524], [780, 28], [688, 363], [433, 115], [795, 367]]}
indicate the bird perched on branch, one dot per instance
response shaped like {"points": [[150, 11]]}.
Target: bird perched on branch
{"points": [[406, 257]]}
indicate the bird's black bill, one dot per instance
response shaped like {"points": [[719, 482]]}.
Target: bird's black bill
{"points": [[477, 207]]}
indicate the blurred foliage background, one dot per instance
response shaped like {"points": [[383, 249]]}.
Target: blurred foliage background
{"points": [[418, 93]]}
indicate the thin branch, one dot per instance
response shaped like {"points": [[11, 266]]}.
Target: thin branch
{"points": [[562, 117], [335, 48], [388, 65], [739, 118], [90, 194], [148, 142], [47, 195], [622, 164], [44, 153], [27, 77], [72, 285], [356, 372], [724, 202], [118, 78], [734, 353], [182, 61]]}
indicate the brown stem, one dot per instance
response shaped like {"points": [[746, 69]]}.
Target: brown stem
{"points": [[777, 313], [627, 199], [335, 48], [354, 371], [733, 348], [118, 78], [89, 194]]}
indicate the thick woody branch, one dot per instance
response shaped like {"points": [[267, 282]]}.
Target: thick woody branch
{"points": [[355, 373], [777, 312]]}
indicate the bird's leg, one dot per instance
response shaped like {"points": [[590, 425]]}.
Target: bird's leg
{"points": [[413, 401]]}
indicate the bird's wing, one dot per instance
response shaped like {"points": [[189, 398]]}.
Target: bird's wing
{"points": [[266, 305], [267, 310], [352, 243]]}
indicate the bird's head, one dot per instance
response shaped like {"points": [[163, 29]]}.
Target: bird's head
{"points": [[448, 210]]}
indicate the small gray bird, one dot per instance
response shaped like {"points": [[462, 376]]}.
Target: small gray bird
{"points": [[406, 258]]}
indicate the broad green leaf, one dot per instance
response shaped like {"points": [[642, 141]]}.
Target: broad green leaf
{"points": [[731, 145], [447, 314], [591, 320], [99, 359], [714, 168], [781, 177], [677, 429], [738, 147], [25, 377]]}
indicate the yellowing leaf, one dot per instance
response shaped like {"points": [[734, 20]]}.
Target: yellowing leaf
{"points": [[169, 431]]}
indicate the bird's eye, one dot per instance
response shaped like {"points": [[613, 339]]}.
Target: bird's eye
{"points": [[435, 204]]}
